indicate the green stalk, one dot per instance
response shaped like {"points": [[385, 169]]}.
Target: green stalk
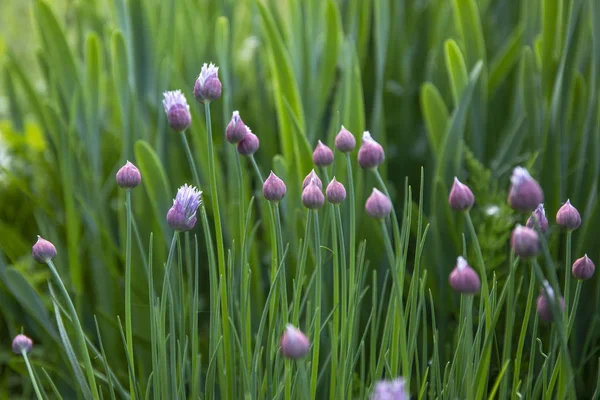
{"points": [[574, 307], [482, 272], [78, 331], [521, 343], [300, 272], [336, 304], [352, 251], [395, 225], [257, 170], [128, 325], [240, 179], [344, 300], [508, 328], [317, 307], [567, 275], [31, 375], [220, 254], [283, 281]]}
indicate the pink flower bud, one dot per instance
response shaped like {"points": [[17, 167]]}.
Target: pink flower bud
{"points": [[274, 188], [544, 306], [43, 250], [538, 217], [370, 154], [568, 217], [249, 144], [177, 109], [461, 197], [311, 176], [236, 129], [312, 196], [463, 278], [378, 205], [335, 192], [525, 194], [208, 85], [345, 141], [128, 176], [583, 268], [525, 242], [390, 390], [322, 156], [294, 343], [182, 215], [21, 344]]}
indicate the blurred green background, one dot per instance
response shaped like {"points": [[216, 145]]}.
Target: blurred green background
{"points": [[465, 87]]}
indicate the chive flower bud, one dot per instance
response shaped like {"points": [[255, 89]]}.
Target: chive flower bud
{"points": [[294, 343], [43, 250], [21, 343], [538, 217], [525, 194], [345, 141], [378, 205], [390, 390], [322, 156], [335, 192], [274, 188], [182, 215], [312, 175], [236, 129], [249, 144], [178, 110], [463, 278], [461, 197], [312, 195], [544, 306], [583, 268], [568, 217], [370, 154], [128, 176], [525, 242], [208, 85]]}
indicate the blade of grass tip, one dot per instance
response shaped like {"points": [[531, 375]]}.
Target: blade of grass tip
{"points": [[395, 226], [104, 361], [498, 380], [31, 375], [83, 386], [78, 331], [128, 325]]}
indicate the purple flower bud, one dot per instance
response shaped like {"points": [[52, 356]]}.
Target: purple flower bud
{"points": [[461, 197], [208, 85], [182, 216], [178, 110], [370, 154], [312, 195], [322, 156], [236, 129], [274, 188], [128, 176], [583, 268], [390, 390], [335, 192], [311, 176], [249, 144], [525, 194], [544, 307], [21, 344], [378, 205], [345, 141], [538, 217], [43, 250], [525, 242], [294, 343], [463, 278], [568, 217]]}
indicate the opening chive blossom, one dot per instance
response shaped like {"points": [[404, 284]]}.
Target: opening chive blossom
{"points": [[182, 215]]}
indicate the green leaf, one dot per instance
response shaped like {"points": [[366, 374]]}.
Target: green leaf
{"points": [[506, 58], [331, 50], [469, 27], [154, 180], [457, 69], [93, 64], [435, 114], [120, 68], [286, 89]]}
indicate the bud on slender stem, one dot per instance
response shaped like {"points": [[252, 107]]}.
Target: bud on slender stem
{"points": [[128, 176], [335, 192], [463, 278], [43, 250], [274, 188], [21, 344], [312, 175], [370, 154], [525, 242], [345, 141], [583, 268], [294, 343], [525, 194], [378, 205], [322, 156], [568, 217], [461, 197], [538, 217]]}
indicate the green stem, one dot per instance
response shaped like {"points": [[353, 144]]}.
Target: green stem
{"points": [[32, 375], [336, 304], [482, 272], [128, 325], [574, 307], [78, 331], [352, 251], [521, 343], [344, 300], [300, 272], [220, 253], [283, 280], [395, 225], [568, 275], [257, 170], [317, 307]]}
